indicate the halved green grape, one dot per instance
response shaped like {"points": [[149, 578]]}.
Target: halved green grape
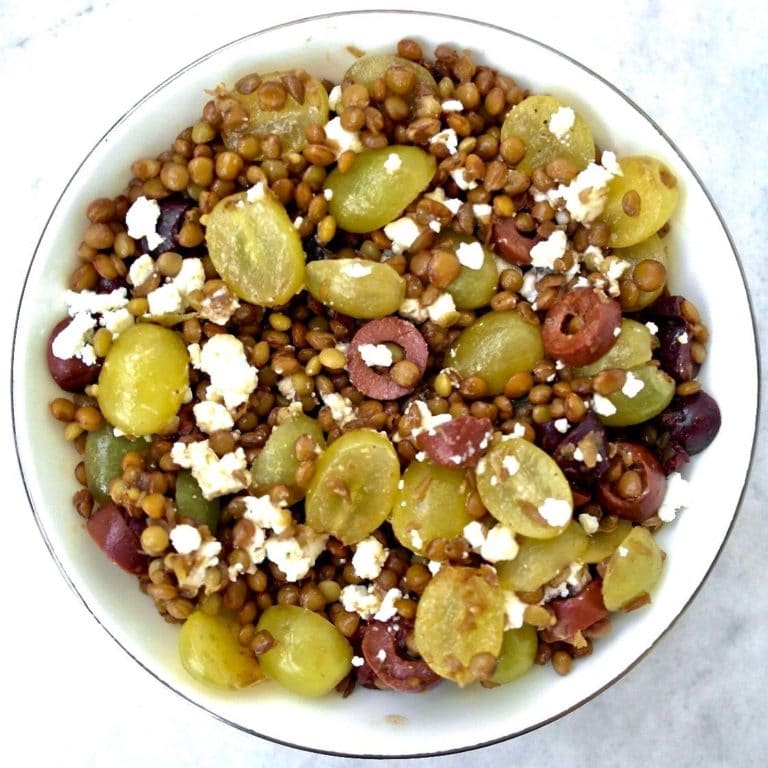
{"points": [[653, 249], [103, 459], [310, 656], [474, 288], [633, 570], [290, 121], [631, 348], [144, 379], [430, 504], [255, 248], [518, 650], [190, 502], [656, 394], [372, 193], [357, 287], [276, 464], [354, 486], [540, 560], [603, 543], [529, 121], [648, 190], [495, 346], [368, 69], [211, 653], [460, 623], [522, 487]]}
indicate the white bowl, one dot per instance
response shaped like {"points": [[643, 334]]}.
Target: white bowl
{"points": [[446, 719]]}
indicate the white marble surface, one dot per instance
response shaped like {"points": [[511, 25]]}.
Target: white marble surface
{"points": [[68, 68]]}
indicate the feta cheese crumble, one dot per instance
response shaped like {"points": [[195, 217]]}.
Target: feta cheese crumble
{"points": [[442, 310], [369, 558], [141, 220], [561, 425], [376, 354], [602, 405], [494, 545], [589, 523], [452, 105], [632, 385], [393, 163], [216, 476], [233, 379], [457, 174], [295, 556], [447, 137], [471, 255], [256, 192], [412, 309], [676, 499], [342, 410], [343, 139], [356, 269], [141, 270], [561, 122], [185, 539], [211, 416], [514, 611], [545, 253], [403, 233], [75, 339], [556, 512]]}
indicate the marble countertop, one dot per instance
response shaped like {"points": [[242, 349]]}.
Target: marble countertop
{"points": [[68, 68]]}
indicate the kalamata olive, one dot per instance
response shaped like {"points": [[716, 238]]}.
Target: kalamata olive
{"points": [[385, 652], [581, 326], [692, 421], [381, 331], [577, 613], [114, 535], [71, 374], [675, 349], [457, 443], [510, 243], [170, 222], [620, 497]]}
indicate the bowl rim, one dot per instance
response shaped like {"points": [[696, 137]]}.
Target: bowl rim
{"points": [[426, 15]]}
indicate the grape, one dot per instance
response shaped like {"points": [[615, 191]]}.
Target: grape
{"points": [[538, 561], [633, 570], [368, 196], [144, 379], [117, 535], [357, 287], [310, 656], [289, 123], [430, 505], [656, 394], [276, 463], [651, 248], [495, 346], [577, 613], [518, 650], [460, 623], [210, 652], [693, 421], [631, 348], [190, 502], [603, 543], [529, 122], [103, 459], [658, 193], [515, 479], [70, 373], [255, 248], [473, 288], [354, 486]]}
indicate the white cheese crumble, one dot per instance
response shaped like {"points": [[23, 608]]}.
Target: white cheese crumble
{"points": [[80, 302], [585, 196], [676, 499], [589, 523], [602, 405], [381, 654], [141, 220], [514, 611], [211, 417], [416, 541], [682, 338], [447, 137], [141, 270], [359, 599], [342, 410], [435, 225], [393, 163], [116, 321], [561, 122], [427, 421], [328, 194], [75, 339], [165, 300], [545, 253], [387, 608], [357, 661], [452, 105], [471, 255], [295, 556], [457, 174], [185, 539], [369, 558], [173, 295], [482, 210], [652, 327], [510, 465], [256, 192], [434, 566], [556, 512], [334, 98], [442, 310], [572, 583], [263, 513], [191, 575], [412, 309], [216, 476], [451, 203], [632, 385], [561, 425], [610, 163], [223, 358], [343, 139], [376, 354], [297, 222], [356, 269], [286, 388], [403, 233], [494, 545]]}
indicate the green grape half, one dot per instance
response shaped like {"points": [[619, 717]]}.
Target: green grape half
{"points": [[430, 504], [190, 502], [518, 650], [310, 656], [652, 248], [604, 543], [211, 653], [354, 486], [631, 348], [473, 288], [103, 459], [144, 379], [633, 570], [656, 394], [460, 623]]}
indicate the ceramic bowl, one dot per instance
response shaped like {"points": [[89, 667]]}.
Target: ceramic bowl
{"points": [[445, 719]]}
